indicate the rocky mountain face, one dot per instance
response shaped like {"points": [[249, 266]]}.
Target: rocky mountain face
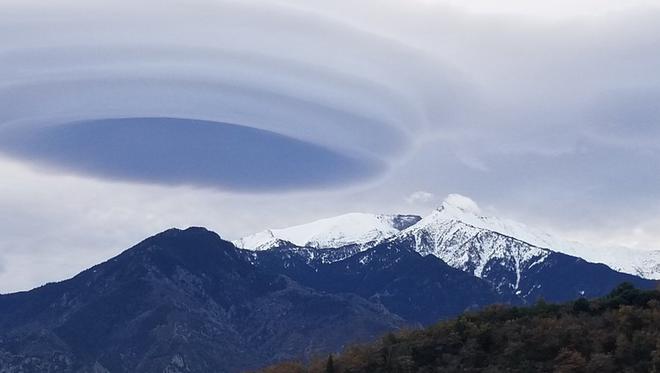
{"points": [[444, 232], [420, 289], [511, 265], [464, 215], [517, 260]]}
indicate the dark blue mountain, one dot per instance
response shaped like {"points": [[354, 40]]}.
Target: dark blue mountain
{"points": [[181, 301], [420, 289], [563, 277]]}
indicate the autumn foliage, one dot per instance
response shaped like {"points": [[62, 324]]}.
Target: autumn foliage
{"points": [[617, 333]]}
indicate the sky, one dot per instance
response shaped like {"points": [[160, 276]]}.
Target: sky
{"points": [[121, 119]]}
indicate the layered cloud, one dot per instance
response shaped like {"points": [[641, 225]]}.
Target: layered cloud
{"points": [[269, 67], [368, 85], [310, 108], [184, 151]]}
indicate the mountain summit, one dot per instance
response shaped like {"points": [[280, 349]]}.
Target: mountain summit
{"points": [[457, 208], [457, 215]]}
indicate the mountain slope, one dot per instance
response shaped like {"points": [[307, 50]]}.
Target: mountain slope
{"points": [[347, 229], [517, 270], [419, 289], [643, 263], [511, 265], [181, 301], [457, 213]]}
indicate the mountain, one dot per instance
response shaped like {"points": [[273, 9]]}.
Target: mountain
{"points": [[617, 333], [420, 289], [457, 215], [462, 238], [189, 301], [342, 230], [643, 263], [181, 301], [511, 265]]}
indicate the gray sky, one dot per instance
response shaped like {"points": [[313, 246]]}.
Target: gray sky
{"points": [[294, 110]]}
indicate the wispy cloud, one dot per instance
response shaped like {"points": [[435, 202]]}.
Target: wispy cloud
{"points": [[421, 197]]}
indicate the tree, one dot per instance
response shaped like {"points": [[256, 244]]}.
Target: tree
{"points": [[601, 363], [330, 365], [569, 361], [581, 305], [618, 333]]}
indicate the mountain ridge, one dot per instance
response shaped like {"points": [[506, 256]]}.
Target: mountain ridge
{"points": [[643, 263], [337, 231], [182, 300], [189, 301]]}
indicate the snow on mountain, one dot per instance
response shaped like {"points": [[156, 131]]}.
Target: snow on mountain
{"points": [[342, 230], [457, 232], [459, 217], [448, 234], [642, 263]]}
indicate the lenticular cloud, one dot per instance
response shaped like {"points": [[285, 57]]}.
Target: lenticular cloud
{"points": [[184, 151], [346, 100]]}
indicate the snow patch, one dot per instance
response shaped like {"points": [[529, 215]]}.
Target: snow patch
{"points": [[338, 231]]}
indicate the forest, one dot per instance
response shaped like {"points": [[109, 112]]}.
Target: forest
{"points": [[616, 333]]}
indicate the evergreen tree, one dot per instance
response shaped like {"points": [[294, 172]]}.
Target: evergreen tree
{"points": [[330, 365]]}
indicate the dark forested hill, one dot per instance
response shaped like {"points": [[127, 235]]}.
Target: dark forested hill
{"points": [[616, 333]]}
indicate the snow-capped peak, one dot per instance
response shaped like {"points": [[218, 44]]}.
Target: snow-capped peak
{"points": [[443, 233], [460, 208], [462, 238], [342, 230], [457, 208]]}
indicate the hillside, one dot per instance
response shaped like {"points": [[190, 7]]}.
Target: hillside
{"points": [[180, 301], [617, 333]]}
